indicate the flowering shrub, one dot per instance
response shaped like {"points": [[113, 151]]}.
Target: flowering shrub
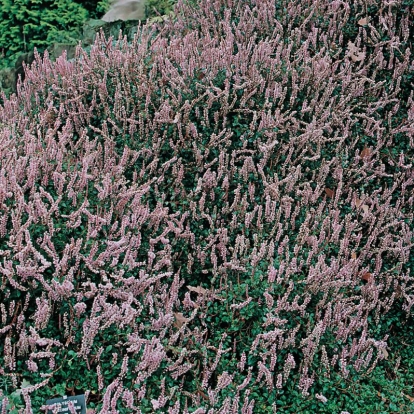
{"points": [[213, 214]]}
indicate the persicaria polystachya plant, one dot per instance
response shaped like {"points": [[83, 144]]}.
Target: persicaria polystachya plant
{"points": [[223, 204]]}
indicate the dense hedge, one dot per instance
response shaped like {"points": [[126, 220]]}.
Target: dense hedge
{"points": [[216, 218]]}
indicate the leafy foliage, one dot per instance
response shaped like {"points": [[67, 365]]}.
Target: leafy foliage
{"points": [[156, 8], [95, 8], [26, 24]]}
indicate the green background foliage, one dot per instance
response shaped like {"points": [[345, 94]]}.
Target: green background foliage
{"points": [[26, 24]]}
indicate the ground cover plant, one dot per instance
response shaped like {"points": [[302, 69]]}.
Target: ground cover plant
{"points": [[215, 218]]}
